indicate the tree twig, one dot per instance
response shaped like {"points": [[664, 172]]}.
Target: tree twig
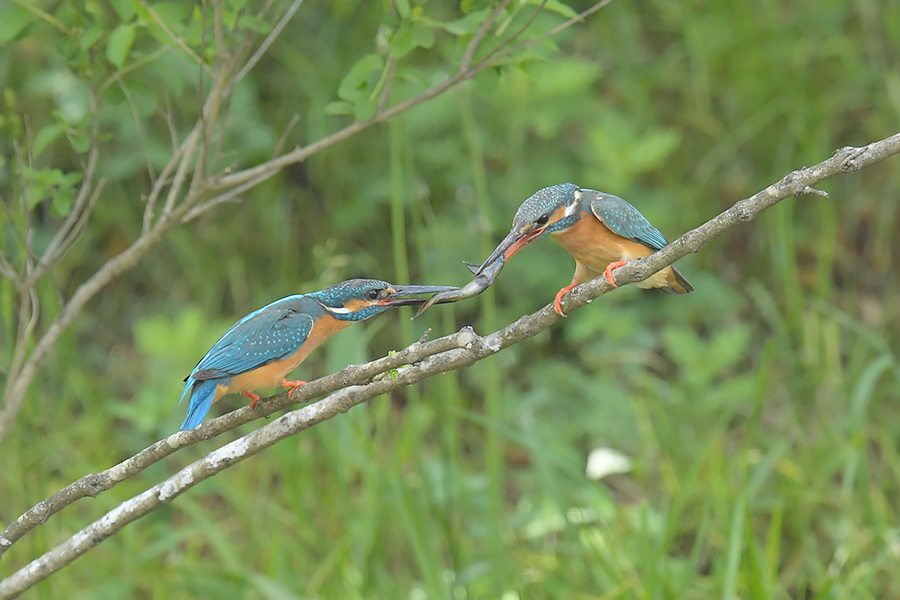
{"points": [[270, 39], [301, 154], [463, 348]]}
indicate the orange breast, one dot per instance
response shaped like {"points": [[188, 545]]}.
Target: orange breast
{"points": [[271, 375], [595, 246]]}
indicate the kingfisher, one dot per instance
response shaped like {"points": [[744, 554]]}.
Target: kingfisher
{"points": [[601, 231], [259, 351]]}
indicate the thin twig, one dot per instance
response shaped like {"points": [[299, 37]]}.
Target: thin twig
{"points": [[140, 130], [82, 206], [300, 154], [178, 41], [270, 39], [482, 31], [388, 84], [282, 139]]}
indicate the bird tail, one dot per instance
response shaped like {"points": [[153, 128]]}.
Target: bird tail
{"points": [[202, 395], [676, 283]]}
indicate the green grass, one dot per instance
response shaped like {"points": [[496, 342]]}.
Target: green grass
{"points": [[760, 412]]}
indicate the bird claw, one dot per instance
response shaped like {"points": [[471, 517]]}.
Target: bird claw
{"points": [[557, 305], [287, 383], [254, 397], [609, 269]]}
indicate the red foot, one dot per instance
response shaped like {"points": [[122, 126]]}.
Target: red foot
{"points": [[556, 301], [291, 384], [609, 270], [254, 397]]}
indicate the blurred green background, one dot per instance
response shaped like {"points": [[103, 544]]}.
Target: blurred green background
{"points": [[760, 413]]}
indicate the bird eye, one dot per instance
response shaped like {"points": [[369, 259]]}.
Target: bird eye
{"points": [[372, 294], [542, 220]]}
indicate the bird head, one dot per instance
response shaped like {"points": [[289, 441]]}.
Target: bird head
{"points": [[359, 299], [551, 209]]}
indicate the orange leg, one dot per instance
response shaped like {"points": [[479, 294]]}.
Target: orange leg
{"points": [[291, 384], [556, 304], [253, 397], [609, 270]]}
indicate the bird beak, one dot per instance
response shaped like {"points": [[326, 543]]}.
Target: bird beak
{"points": [[402, 295], [512, 243]]}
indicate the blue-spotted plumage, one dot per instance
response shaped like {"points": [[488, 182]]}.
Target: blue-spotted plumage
{"points": [[269, 340], [271, 333], [622, 218]]}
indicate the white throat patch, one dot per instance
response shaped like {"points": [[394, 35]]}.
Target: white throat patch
{"points": [[573, 206], [336, 311]]}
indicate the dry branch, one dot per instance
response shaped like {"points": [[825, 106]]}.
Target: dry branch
{"points": [[452, 352]]}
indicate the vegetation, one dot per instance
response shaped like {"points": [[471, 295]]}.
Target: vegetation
{"points": [[759, 413]]}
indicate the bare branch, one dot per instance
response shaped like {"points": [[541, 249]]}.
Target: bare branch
{"points": [[178, 41], [7, 270], [388, 84], [475, 42], [69, 230], [301, 154], [270, 39], [458, 350], [282, 139], [140, 130]]}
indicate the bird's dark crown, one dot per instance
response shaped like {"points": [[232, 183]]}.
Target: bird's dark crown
{"points": [[365, 290], [543, 204]]}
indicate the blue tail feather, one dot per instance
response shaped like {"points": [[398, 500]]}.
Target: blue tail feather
{"points": [[201, 395]]}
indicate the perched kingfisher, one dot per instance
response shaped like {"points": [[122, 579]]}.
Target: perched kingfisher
{"points": [[258, 351], [601, 231]]}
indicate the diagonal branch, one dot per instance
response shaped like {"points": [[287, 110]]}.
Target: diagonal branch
{"points": [[495, 58], [458, 350]]}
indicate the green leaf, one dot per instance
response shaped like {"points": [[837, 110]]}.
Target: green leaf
{"points": [[90, 36], [401, 43], [422, 36], [174, 14], [338, 107], [556, 6], [13, 20], [46, 136], [355, 84], [468, 24], [364, 109], [124, 8], [402, 8], [119, 44]]}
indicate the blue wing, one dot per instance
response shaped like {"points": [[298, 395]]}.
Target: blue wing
{"points": [[272, 333], [624, 219]]}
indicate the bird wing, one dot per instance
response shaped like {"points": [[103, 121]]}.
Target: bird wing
{"points": [[624, 219], [272, 333]]}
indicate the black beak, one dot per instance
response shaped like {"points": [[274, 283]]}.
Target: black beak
{"points": [[512, 243], [402, 294]]}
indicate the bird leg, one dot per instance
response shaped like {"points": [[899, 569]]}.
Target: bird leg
{"points": [[253, 397], [291, 384], [556, 304], [609, 270]]}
